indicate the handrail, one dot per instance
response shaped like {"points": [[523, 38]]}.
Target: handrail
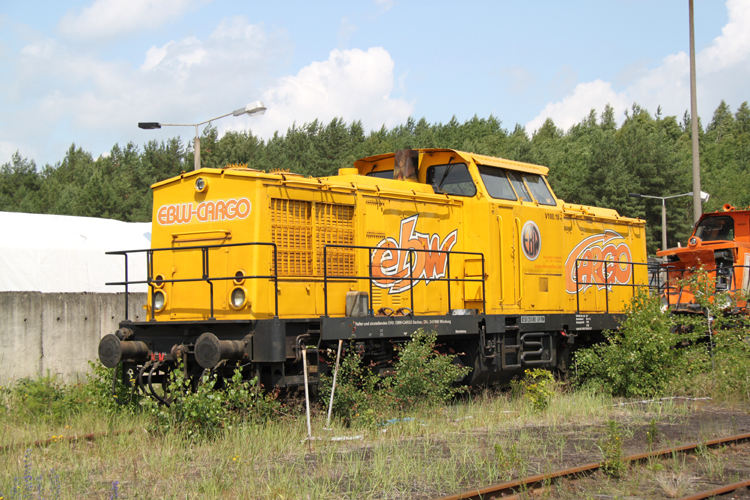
{"points": [[520, 260], [500, 259], [607, 284], [205, 273], [410, 278]]}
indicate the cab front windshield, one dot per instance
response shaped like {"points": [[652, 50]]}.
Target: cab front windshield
{"points": [[720, 228]]}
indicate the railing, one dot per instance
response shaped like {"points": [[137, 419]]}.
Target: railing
{"points": [[666, 288], [410, 278], [633, 285], [150, 281]]}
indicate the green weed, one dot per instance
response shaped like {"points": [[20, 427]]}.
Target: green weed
{"points": [[613, 464], [538, 387]]}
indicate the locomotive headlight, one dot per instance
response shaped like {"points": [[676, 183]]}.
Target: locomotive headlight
{"points": [[201, 184], [238, 298], [160, 300]]}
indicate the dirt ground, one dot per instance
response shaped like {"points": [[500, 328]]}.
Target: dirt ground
{"points": [[668, 477]]}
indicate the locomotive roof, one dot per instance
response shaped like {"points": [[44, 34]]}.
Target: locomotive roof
{"points": [[476, 158]]}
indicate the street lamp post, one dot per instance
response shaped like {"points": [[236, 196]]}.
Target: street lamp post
{"points": [[703, 197], [253, 109]]}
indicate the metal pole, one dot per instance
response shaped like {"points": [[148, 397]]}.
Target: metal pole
{"points": [[663, 224], [333, 386], [197, 149], [697, 208], [307, 394]]}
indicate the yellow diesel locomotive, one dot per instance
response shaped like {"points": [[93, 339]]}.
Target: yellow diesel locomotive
{"points": [[263, 269]]}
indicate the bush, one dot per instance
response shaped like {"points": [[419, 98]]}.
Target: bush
{"points": [[359, 396], [44, 399], [421, 375], [204, 411], [656, 351], [98, 391], [537, 387], [640, 359]]}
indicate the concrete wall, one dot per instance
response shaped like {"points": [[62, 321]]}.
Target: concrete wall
{"points": [[58, 333]]}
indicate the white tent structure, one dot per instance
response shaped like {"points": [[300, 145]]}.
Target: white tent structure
{"points": [[59, 253]]}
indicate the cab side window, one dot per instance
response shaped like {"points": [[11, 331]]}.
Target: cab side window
{"points": [[519, 186], [539, 189], [452, 178], [497, 183]]}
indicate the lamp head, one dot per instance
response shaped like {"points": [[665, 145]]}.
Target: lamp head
{"points": [[705, 196], [149, 125], [252, 109], [635, 195]]}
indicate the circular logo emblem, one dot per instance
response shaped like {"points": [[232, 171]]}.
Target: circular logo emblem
{"points": [[531, 240]]}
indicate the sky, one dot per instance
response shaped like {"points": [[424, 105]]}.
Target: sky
{"points": [[86, 72]]}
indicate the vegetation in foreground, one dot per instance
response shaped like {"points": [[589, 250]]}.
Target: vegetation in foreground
{"points": [[657, 352], [413, 435]]}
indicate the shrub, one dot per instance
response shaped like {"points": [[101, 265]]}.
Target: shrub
{"points": [[358, 395], [205, 410], [421, 375], [43, 398], [640, 358], [98, 392], [537, 387], [655, 350]]}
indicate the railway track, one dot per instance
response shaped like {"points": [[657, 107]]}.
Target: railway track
{"points": [[511, 489], [73, 438]]}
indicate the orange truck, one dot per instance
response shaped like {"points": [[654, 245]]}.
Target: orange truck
{"points": [[267, 268], [720, 246]]}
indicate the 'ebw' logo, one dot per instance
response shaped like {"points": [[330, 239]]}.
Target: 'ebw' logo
{"points": [[591, 271], [393, 264]]}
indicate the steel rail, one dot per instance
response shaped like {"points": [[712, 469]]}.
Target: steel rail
{"points": [[510, 489], [717, 491], [70, 438]]}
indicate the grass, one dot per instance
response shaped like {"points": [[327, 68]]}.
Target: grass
{"points": [[477, 440]]}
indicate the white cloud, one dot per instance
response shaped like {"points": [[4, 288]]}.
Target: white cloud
{"points": [[723, 70], [351, 84], [110, 18], [57, 92], [732, 47], [576, 105]]}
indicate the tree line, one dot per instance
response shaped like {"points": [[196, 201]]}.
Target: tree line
{"points": [[595, 162]]}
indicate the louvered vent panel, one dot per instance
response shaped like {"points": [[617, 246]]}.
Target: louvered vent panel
{"points": [[300, 229], [334, 225], [291, 231]]}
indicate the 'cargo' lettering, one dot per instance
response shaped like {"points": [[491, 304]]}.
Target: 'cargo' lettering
{"points": [[206, 211], [592, 254]]}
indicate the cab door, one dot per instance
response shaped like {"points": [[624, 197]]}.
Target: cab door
{"points": [[537, 223]]}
